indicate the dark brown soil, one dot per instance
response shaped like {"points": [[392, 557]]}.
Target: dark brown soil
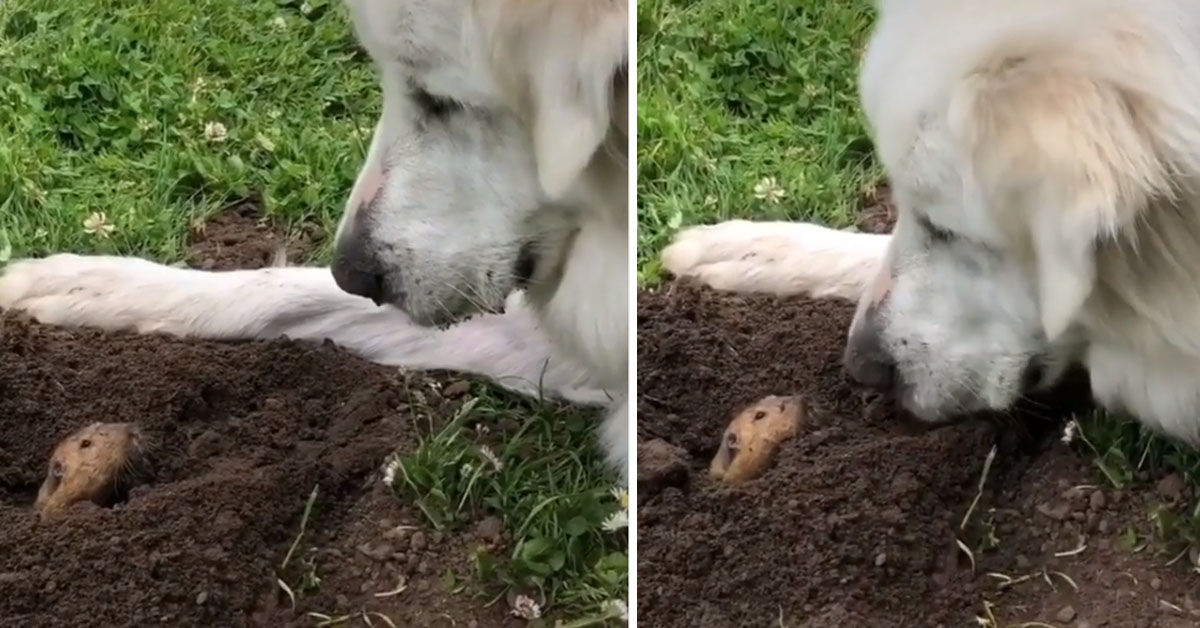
{"points": [[858, 521], [877, 213], [240, 238], [242, 434]]}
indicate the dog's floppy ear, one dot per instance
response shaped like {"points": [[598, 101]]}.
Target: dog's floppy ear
{"points": [[571, 84], [1068, 157], [565, 55], [1066, 267]]}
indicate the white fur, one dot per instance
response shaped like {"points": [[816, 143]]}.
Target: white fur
{"points": [[1044, 157], [528, 158]]}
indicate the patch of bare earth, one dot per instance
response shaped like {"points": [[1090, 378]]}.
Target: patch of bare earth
{"points": [[241, 433], [860, 519]]}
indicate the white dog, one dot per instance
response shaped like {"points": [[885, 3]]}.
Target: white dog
{"points": [[1045, 158], [495, 186]]}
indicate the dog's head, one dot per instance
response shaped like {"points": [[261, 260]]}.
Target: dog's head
{"points": [[1012, 186], [493, 113]]}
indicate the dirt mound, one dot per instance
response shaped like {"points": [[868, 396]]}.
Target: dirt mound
{"points": [[858, 523], [241, 433], [241, 238]]}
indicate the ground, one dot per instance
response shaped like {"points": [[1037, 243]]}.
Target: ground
{"points": [[750, 111], [215, 133]]}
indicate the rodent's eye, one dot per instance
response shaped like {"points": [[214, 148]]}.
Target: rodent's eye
{"points": [[85, 443], [762, 414], [731, 440]]}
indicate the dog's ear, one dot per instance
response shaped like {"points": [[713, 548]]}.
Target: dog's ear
{"points": [[571, 84], [1066, 268], [1066, 162], [564, 60]]}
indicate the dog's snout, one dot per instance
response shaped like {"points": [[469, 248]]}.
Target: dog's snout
{"points": [[359, 282], [356, 272], [866, 360]]}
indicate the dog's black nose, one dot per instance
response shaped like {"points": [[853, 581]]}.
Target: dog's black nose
{"points": [[359, 283], [351, 276], [868, 363]]}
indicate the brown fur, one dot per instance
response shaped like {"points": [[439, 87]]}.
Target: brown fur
{"points": [[754, 435], [93, 464]]}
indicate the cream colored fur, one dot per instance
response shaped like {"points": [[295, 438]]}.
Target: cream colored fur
{"points": [[1045, 158]]}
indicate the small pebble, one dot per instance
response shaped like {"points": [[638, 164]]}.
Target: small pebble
{"points": [[880, 559], [1171, 487], [490, 529], [1066, 615], [457, 389], [417, 541], [1097, 502], [201, 598], [1057, 513], [1156, 584]]}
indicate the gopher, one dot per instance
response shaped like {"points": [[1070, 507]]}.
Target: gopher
{"points": [[97, 463], [753, 436]]}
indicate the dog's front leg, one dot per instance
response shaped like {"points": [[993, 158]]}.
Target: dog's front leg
{"points": [[130, 294], [783, 258]]}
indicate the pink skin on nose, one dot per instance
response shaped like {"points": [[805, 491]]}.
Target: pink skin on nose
{"points": [[370, 184]]}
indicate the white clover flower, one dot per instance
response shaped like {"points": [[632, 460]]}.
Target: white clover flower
{"points": [[616, 608], [97, 224], [279, 23], [525, 608], [306, 8], [390, 469], [1070, 431], [768, 190], [215, 132], [466, 469], [621, 495], [617, 521], [491, 457]]}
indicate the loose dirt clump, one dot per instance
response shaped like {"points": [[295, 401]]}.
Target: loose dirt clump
{"points": [[236, 435], [240, 237], [859, 520]]}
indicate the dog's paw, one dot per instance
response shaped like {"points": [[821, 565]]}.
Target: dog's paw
{"points": [[781, 258], [75, 290]]}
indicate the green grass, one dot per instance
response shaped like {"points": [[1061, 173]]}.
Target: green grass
{"points": [[731, 93], [104, 108], [532, 465]]}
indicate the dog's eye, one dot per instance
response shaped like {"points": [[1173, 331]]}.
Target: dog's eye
{"points": [[762, 414], [435, 106], [85, 443]]}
